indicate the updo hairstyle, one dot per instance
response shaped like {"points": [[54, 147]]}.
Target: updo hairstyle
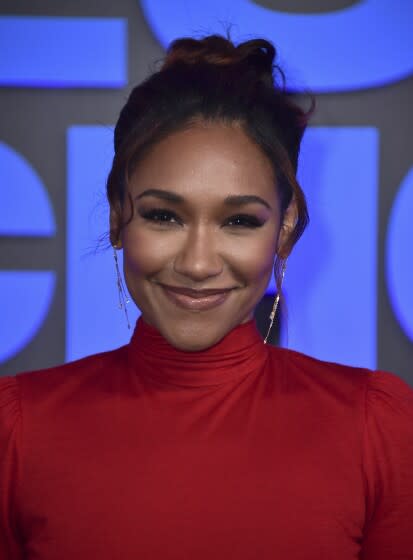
{"points": [[213, 81]]}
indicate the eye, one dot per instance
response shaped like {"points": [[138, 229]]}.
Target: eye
{"points": [[245, 220], [160, 216]]}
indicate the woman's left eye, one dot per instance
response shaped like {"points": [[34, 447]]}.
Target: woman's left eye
{"points": [[244, 220]]}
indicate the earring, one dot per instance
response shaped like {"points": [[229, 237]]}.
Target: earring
{"points": [[276, 301], [123, 297]]}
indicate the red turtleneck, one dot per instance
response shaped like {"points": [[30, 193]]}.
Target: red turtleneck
{"points": [[241, 451]]}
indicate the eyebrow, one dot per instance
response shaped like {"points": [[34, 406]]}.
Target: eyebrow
{"points": [[231, 200]]}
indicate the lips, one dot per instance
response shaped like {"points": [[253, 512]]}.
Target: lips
{"points": [[196, 300]]}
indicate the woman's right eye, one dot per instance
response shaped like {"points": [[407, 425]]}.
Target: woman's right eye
{"points": [[159, 216]]}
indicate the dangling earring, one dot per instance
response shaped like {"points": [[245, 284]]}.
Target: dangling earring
{"points": [[123, 297], [276, 301]]}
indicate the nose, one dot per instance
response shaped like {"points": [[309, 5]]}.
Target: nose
{"points": [[197, 257]]}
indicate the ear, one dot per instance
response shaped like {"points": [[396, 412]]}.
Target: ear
{"points": [[114, 226], [287, 227]]}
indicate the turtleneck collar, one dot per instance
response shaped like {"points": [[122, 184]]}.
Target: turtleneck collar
{"points": [[241, 352]]}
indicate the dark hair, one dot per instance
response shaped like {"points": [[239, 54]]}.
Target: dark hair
{"points": [[213, 80]]}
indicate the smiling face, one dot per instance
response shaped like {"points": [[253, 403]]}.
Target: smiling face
{"points": [[206, 217]]}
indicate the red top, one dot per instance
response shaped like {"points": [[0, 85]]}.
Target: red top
{"points": [[241, 451]]}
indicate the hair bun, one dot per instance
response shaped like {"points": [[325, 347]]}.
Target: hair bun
{"points": [[257, 54]]}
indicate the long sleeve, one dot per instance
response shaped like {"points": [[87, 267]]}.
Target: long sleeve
{"points": [[10, 425], [388, 464]]}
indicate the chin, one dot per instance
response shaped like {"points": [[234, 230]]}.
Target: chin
{"points": [[193, 337]]}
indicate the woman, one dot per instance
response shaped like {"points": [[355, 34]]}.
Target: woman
{"points": [[198, 440]]}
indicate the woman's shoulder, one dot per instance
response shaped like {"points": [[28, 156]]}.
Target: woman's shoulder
{"points": [[389, 410], [298, 365], [378, 387], [40, 383], [34, 399], [379, 402], [9, 402]]}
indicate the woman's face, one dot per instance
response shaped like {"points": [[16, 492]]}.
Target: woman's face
{"points": [[200, 249]]}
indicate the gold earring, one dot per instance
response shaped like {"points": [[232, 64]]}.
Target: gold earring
{"points": [[276, 301], [123, 297]]}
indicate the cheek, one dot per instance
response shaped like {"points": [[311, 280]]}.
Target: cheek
{"points": [[254, 256], [146, 252]]}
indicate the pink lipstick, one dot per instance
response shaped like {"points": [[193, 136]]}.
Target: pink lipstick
{"points": [[196, 300]]}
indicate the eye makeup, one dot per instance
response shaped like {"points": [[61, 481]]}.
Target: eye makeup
{"points": [[164, 216], [159, 215]]}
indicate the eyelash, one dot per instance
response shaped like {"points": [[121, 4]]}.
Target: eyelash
{"points": [[158, 216]]}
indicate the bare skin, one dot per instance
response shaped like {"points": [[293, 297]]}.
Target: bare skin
{"points": [[199, 238]]}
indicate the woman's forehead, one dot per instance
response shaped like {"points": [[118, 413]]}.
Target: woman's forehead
{"points": [[208, 160]]}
